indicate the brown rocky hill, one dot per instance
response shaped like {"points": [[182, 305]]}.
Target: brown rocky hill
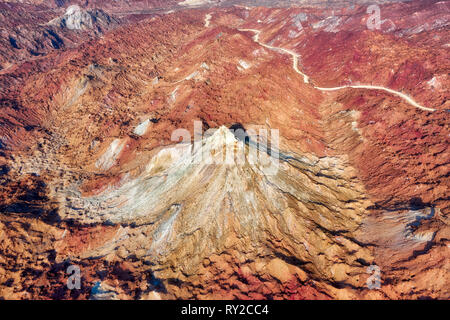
{"points": [[91, 174], [29, 32]]}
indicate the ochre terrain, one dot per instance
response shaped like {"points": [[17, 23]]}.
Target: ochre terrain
{"points": [[91, 176]]}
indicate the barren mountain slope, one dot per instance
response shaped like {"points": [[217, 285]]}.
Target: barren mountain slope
{"points": [[92, 174]]}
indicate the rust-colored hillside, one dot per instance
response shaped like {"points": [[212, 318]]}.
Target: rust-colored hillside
{"points": [[94, 99]]}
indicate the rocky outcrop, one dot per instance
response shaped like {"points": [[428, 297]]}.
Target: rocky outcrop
{"points": [[75, 18]]}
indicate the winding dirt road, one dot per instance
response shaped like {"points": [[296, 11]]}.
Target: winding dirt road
{"points": [[306, 78]]}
